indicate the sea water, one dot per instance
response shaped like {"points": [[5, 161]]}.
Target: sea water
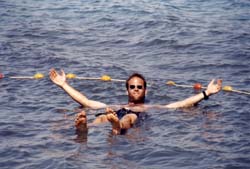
{"points": [[184, 41]]}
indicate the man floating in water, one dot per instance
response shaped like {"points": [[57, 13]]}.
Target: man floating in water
{"points": [[126, 117]]}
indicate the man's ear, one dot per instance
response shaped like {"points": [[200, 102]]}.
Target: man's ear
{"points": [[146, 92], [127, 92]]}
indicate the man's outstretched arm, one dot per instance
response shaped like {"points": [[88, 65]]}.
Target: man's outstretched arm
{"points": [[212, 88], [60, 80]]}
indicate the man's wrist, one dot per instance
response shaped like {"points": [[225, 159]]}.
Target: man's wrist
{"points": [[205, 95], [63, 85]]}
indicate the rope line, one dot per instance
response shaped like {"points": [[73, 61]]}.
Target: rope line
{"points": [[196, 86]]}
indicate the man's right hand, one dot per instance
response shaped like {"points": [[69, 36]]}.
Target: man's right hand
{"points": [[58, 79]]}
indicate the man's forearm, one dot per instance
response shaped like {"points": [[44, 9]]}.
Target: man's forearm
{"points": [[81, 99], [189, 101], [75, 95]]}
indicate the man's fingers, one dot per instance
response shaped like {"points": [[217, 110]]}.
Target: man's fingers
{"points": [[219, 81], [62, 72], [219, 84], [212, 82]]}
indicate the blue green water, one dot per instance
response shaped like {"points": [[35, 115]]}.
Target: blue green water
{"points": [[179, 40]]}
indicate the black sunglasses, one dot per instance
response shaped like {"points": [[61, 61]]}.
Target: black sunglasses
{"points": [[133, 86]]}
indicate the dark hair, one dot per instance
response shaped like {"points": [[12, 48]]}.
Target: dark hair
{"points": [[136, 75]]}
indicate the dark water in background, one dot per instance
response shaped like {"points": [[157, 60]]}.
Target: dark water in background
{"points": [[180, 40]]}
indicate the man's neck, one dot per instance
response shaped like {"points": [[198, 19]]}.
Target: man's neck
{"points": [[135, 103]]}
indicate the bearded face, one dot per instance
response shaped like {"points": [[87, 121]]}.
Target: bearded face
{"points": [[136, 90]]}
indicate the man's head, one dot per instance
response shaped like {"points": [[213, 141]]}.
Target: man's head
{"points": [[136, 88]]}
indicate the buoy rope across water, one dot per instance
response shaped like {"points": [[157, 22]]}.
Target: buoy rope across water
{"points": [[230, 89], [68, 76], [196, 86], [103, 78], [36, 76]]}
